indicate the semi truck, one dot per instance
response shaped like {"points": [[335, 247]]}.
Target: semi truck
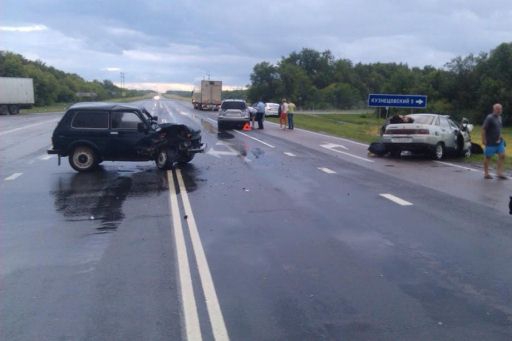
{"points": [[207, 95], [15, 93]]}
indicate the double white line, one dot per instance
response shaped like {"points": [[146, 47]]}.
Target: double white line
{"points": [[191, 317]]}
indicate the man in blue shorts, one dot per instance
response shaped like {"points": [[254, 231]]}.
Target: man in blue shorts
{"points": [[493, 141]]}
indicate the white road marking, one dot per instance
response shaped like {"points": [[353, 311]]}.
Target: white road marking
{"points": [[395, 199], [46, 157], [212, 303], [191, 317], [332, 146], [326, 170], [458, 166], [28, 126], [289, 154], [348, 154], [13, 177], [255, 139]]}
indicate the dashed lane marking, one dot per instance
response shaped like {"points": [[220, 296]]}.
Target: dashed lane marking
{"points": [[396, 199], [13, 177], [289, 154], [326, 170]]}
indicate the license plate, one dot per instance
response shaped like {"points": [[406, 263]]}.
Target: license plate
{"points": [[401, 140]]}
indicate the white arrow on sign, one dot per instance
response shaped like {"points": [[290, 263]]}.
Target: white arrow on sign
{"points": [[333, 146], [420, 102]]}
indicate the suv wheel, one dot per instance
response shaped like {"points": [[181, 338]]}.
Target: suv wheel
{"points": [[438, 151], [165, 158], [83, 159], [185, 158]]}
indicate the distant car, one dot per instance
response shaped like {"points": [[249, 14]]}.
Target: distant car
{"points": [[271, 109], [233, 112], [432, 134], [90, 133]]}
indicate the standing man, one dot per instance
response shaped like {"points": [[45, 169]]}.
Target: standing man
{"points": [[291, 110], [260, 113], [284, 113], [493, 141]]}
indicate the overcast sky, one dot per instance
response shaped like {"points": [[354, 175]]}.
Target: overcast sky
{"points": [[175, 43]]}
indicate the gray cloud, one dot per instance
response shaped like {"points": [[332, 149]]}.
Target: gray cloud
{"points": [[182, 40]]}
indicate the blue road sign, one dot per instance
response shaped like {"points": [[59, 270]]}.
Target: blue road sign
{"points": [[397, 101]]}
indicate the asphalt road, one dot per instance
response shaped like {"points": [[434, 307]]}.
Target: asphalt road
{"points": [[270, 235]]}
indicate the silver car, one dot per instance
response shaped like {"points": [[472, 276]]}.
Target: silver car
{"points": [[432, 134], [233, 112]]}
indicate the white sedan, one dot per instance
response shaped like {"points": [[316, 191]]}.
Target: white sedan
{"points": [[433, 134]]}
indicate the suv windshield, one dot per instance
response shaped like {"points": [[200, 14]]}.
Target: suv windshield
{"points": [[233, 105]]}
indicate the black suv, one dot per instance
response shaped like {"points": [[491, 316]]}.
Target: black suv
{"points": [[90, 133]]}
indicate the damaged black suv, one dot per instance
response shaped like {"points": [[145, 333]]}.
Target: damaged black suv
{"points": [[90, 133]]}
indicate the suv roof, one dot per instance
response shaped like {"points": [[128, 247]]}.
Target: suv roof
{"points": [[103, 106]]}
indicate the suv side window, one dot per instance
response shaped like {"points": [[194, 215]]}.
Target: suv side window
{"points": [[125, 120], [90, 120]]}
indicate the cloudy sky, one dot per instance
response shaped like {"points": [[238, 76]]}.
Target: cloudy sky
{"points": [[171, 44]]}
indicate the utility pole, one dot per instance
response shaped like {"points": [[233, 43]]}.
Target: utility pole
{"points": [[122, 84]]}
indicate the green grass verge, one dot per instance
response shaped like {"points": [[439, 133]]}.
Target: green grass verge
{"points": [[363, 126], [61, 107]]}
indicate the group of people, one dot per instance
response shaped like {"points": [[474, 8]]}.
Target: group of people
{"points": [[286, 111]]}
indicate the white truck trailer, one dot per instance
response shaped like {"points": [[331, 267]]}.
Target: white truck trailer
{"points": [[15, 93], [207, 95]]}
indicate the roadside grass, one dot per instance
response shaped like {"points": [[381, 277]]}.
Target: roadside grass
{"points": [[61, 107], [364, 126]]}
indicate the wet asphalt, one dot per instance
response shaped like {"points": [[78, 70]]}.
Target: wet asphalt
{"points": [[295, 252]]}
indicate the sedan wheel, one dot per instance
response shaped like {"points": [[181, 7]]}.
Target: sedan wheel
{"points": [[83, 159], [439, 151]]}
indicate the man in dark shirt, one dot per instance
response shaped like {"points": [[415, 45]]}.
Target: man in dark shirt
{"points": [[493, 141]]}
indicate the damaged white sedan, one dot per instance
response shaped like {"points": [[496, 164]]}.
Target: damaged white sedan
{"points": [[432, 134]]}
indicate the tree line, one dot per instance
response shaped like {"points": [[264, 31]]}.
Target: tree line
{"points": [[54, 86], [465, 86]]}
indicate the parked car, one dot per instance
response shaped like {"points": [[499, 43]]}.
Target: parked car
{"points": [[432, 134], [90, 133], [233, 112], [271, 109]]}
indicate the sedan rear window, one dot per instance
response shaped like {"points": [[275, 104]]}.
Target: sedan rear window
{"points": [[233, 105], [422, 119], [90, 120]]}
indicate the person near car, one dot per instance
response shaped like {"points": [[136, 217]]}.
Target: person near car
{"points": [[260, 113], [494, 142], [284, 112], [291, 111]]}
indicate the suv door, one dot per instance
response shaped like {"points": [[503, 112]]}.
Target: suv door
{"points": [[125, 136], [90, 127]]}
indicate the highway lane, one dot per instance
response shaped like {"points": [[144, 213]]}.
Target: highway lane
{"points": [[295, 252]]}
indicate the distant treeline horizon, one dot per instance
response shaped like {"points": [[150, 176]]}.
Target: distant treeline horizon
{"points": [[466, 86], [55, 86]]}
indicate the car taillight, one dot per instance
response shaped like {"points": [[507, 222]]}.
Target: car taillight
{"points": [[422, 132]]}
